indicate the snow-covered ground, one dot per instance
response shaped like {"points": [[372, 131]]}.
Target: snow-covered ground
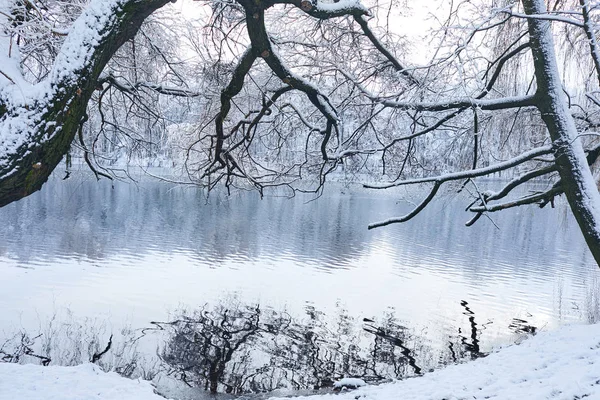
{"points": [[564, 364], [83, 382]]}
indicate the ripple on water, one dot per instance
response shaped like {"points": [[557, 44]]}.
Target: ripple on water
{"points": [[145, 251]]}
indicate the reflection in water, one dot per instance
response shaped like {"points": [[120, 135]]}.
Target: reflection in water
{"points": [[521, 326], [212, 347], [395, 335], [96, 222], [473, 346], [236, 348], [131, 253]]}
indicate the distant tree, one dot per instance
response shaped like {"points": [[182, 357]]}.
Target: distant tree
{"points": [[311, 87]]}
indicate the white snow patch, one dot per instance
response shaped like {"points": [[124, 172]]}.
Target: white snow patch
{"points": [[83, 382], [85, 35], [349, 383], [340, 6]]}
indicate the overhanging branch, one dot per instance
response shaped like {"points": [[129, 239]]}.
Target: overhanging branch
{"points": [[483, 104], [133, 88], [46, 123], [473, 173]]}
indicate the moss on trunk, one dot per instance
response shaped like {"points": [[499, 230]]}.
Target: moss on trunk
{"points": [[58, 119]]}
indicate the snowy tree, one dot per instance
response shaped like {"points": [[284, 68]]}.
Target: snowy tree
{"points": [[38, 122], [569, 158], [295, 89]]}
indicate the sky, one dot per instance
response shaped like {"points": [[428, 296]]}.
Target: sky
{"points": [[413, 21]]}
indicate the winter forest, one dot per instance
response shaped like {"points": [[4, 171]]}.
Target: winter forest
{"points": [[243, 196]]}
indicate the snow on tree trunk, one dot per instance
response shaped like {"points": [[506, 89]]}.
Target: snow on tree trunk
{"points": [[576, 177], [38, 122]]}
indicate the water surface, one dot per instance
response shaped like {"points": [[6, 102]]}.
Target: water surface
{"points": [[133, 253]]}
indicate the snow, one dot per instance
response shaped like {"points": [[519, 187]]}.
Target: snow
{"points": [[27, 102], [484, 104], [76, 51], [340, 6], [546, 17], [86, 34], [563, 364], [83, 382], [10, 69], [349, 382]]}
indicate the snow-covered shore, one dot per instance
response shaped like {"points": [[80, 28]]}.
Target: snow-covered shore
{"points": [[564, 364], [83, 382]]}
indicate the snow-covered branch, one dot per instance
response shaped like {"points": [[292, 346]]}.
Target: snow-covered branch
{"points": [[483, 104], [591, 36], [134, 87], [545, 17], [38, 122], [322, 10], [473, 173]]}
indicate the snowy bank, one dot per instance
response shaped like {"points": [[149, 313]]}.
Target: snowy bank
{"points": [[564, 364], [83, 382]]}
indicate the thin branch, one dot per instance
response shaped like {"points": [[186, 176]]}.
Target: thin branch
{"points": [[520, 159], [414, 212], [135, 87], [383, 50]]}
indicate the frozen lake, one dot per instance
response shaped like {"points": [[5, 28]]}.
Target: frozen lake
{"points": [[135, 253]]}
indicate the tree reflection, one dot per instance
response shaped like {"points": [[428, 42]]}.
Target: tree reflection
{"points": [[211, 347], [237, 348]]}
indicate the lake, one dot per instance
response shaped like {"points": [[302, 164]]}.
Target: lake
{"points": [[128, 254]]}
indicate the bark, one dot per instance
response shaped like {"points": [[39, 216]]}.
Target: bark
{"points": [[577, 180], [53, 122]]}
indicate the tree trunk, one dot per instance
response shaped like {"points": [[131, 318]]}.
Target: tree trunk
{"points": [[576, 177], [36, 133], [213, 378]]}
